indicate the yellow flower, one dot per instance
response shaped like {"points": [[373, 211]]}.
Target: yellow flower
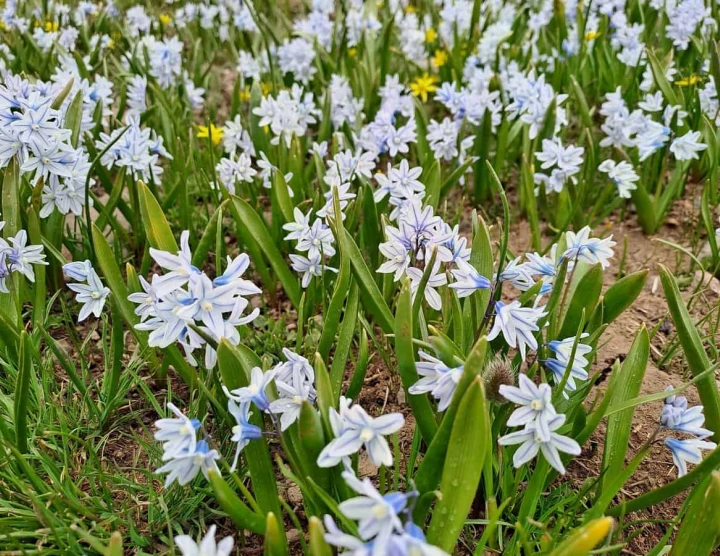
{"points": [[410, 10], [430, 35], [51, 26], [440, 58], [214, 133], [687, 81], [352, 52], [165, 19], [111, 44], [266, 88], [424, 85], [245, 94], [592, 35]]}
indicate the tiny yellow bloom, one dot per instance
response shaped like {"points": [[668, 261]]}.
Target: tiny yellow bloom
{"points": [[440, 58], [51, 26], [266, 88], [410, 10], [245, 94], [424, 85], [352, 52], [430, 35], [214, 133], [592, 35], [687, 81], [165, 19], [111, 44]]}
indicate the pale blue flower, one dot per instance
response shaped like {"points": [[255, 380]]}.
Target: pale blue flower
{"points": [[78, 271], [582, 247], [467, 279], [178, 434], [244, 431], [559, 364], [180, 266], [359, 429], [517, 324], [535, 405], [437, 378], [207, 547], [377, 515], [292, 395], [677, 416], [233, 275], [687, 451], [183, 468], [92, 295], [255, 391], [531, 443]]}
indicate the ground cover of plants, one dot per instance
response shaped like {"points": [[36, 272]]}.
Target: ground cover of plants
{"points": [[374, 278]]}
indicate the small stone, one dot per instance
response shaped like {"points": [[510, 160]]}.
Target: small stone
{"points": [[366, 468], [294, 495], [401, 395], [293, 535]]}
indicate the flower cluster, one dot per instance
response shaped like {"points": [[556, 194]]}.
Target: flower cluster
{"points": [[17, 257], [183, 301], [679, 417], [540, 422]]}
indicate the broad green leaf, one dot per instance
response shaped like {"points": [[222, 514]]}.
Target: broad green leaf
{"points": [[344, 341], [312, 441], [622, 294], [235, 373], [209, 236], [370, 294], [695, 354], [661, 81], [318, 544], [281, 193], [73, 118], [156, 226], [461, 473], [431, 179], [626, 386], [252, 222], [22, 392], [239, 512], [275, 539], [430, 470], [699, 533], [583, 298], [405, 353]]}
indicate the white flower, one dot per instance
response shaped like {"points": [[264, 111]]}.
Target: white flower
{"points": [[435, 280], [582, 247], [687, 146], [92, 295], [532, 443], [437, 378], [687, 451], [535, 405], [207, 547], [177, 434], [517, 324], [622, 175]]}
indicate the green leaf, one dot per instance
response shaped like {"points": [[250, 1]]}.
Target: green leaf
{"points": [[281, 193], [344, 341], [626, 386], [209, 236], [405, 353], [431, 179], [661, 81], [238, 511], [22, 392], [430, 470], [250, 220], [318, 544], [466, 453], [699, 533], [73, 119], [692, 345], [622, 294], [235, 371], [584, 295], [370, 294], [154, 222], [275, 539], [334, 311], [312, 441]]}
